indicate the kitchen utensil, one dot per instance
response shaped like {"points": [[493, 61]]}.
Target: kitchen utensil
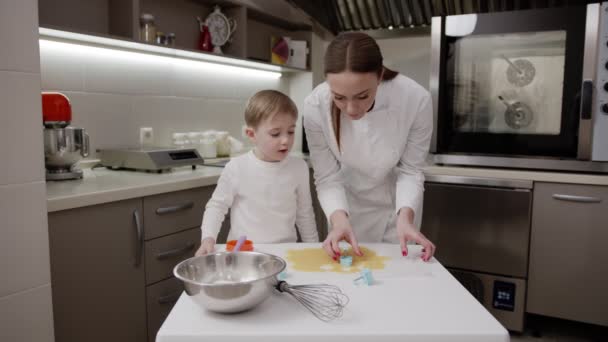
{"points": [[147, 28], [204, 41], [326, 302], [64, 145], [239, 243], [246, 247], [230, 282], [154, 158], [223, 144]]}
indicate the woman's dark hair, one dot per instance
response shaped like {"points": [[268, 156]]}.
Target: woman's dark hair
{"points": [[356, 52]]}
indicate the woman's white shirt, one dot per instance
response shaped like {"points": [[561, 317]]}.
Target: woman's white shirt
{"points": [[378, 169]]}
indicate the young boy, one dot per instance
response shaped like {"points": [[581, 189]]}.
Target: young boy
{"points": [[267, 190]]}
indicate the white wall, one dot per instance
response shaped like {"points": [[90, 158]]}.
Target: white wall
{"points": [[25, 289], [408, 55], [114, 93]]}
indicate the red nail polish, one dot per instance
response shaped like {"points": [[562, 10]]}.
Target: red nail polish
{"points": [[404, 252], [335, 258], [338, 254]]}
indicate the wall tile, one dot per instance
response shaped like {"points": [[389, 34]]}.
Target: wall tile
{"points": [[24, 246], [167, 115], [19, 35], [107, 119], [192, 79], [121, 72], [124, 91], [22, 153], [227, 115], [61, 68], [27, 316]]}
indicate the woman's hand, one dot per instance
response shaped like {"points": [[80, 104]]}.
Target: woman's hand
{"points": [[406, 231], [340, 230], [207, 246]]}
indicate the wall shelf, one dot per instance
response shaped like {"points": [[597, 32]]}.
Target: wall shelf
{"points": [[135, 46], [256, 22]]}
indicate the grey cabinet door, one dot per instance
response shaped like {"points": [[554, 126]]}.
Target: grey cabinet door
{"points": [[479, 228], [97, 273], [568, 255]]}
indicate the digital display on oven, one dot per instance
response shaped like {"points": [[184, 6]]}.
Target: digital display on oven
{"points": [[182, 155], [504, 296]]}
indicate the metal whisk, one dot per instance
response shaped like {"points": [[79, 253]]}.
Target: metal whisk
{"points": [[326, 302]]}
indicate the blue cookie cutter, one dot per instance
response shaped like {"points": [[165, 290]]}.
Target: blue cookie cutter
{"points": [[346, 260], [365, 278]]}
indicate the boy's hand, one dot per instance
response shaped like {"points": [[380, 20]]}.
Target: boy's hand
{"points": [[340, 230], [207, 246]]}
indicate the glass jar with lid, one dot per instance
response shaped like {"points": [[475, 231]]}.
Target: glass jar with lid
{"points": [[223, 144], [147, 28]]}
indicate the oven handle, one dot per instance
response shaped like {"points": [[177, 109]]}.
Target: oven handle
{"points": [[586, 100], [580, 199]]}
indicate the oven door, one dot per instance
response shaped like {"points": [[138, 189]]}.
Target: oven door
{"points": [[509, 83]]}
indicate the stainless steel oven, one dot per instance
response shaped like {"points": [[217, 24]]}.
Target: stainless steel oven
{"points": [[481, 227], [523, 89]]}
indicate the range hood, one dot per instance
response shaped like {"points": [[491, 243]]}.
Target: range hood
{"points": [[353, 15]]}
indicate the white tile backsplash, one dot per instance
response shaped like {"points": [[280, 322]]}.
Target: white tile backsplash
{"points": [[113, 93], [24, 246], [107, 119], [27, 316], [122, 72], [58, 72], [18, 36], [192, 80], [22, 153]]}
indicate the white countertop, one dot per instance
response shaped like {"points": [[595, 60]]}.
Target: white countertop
{"points": [[101, 185], [410, 301]]}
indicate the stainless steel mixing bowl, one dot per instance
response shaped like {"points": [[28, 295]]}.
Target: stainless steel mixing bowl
{"points": [[230, 282]]}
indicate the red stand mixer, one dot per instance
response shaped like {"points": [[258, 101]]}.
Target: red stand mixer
{"points": [[64, 145]]}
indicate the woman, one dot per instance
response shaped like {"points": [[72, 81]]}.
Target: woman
{"points": [[368, 130]]}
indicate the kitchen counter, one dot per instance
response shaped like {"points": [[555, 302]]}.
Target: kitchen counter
{"points": [[410, 300], [527, 175], [101, 185]]}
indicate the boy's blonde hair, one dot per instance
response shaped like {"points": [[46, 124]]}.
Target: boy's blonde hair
{"points": [[265, 104]]}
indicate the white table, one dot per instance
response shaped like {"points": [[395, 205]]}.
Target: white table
{"points": [[410, 301]]}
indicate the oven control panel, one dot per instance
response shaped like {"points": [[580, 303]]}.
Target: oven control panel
{"points": [[599, 149]]}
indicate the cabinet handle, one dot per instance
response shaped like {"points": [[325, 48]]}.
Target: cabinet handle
{"points": [[580, 199], [175, 208], [140, 238], [175, 252], [170, 298]]}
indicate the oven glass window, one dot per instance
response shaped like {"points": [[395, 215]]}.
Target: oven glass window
{"points": [[507, 83]]}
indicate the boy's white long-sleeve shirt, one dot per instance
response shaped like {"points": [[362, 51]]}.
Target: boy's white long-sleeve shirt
{"points": [[267, 200]]}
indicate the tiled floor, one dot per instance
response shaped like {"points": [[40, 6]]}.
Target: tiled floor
{"points": [[545, 329]]}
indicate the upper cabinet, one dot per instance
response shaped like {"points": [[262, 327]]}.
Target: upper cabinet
{"points": [[255, 22]]}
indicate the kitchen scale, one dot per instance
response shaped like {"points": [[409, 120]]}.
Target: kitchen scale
{"points": [[150, 159]]}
